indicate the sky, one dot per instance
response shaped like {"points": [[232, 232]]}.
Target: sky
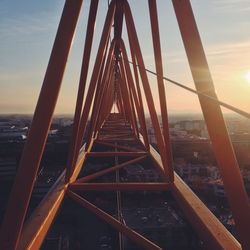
{"points": [[28, 28]]}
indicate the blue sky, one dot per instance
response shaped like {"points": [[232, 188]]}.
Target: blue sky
{"points": [[28, 28]]}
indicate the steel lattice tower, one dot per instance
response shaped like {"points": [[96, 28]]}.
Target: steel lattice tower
{"points": [[116, 80]]}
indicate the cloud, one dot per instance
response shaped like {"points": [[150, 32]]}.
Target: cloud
{"points": [[229, 48], [229, 61], [24, 25], [227, 6]]}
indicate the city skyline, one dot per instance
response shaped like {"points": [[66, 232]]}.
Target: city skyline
{"points": [[28, 30]]}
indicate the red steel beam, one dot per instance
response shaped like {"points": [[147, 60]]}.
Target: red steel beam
{"points": [[104, 78], [127, 186], [80, 160], [95, 76], [208, 227], [161, 88], [119, 153], [109, 170], [136, 237], [120, 99], [132, 87], [105, 100], [120, 136], [120, 140], [36, 227], [34, 147], [116, 131], [117, 146], [210, 230], [220, 139], [102, 84], [144, 127], [127, 82], [82, 83], [111, 136], [149, 98], [126, 97], [123, 102], [104, 105]]}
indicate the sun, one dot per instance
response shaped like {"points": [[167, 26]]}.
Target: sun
{"points": [[248, 77]]}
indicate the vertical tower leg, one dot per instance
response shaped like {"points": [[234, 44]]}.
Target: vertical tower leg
{"points": [[30, 161], [221, 143]]}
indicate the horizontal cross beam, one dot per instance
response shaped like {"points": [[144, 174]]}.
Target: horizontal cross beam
{"points": [[112, 154], [136, 237], [128, 186], [109, 170]]}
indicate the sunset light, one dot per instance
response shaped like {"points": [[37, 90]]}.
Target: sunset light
{"points": [[248, 77]]}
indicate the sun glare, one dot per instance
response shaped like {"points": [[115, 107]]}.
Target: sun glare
{"points": [[248, 77]]}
